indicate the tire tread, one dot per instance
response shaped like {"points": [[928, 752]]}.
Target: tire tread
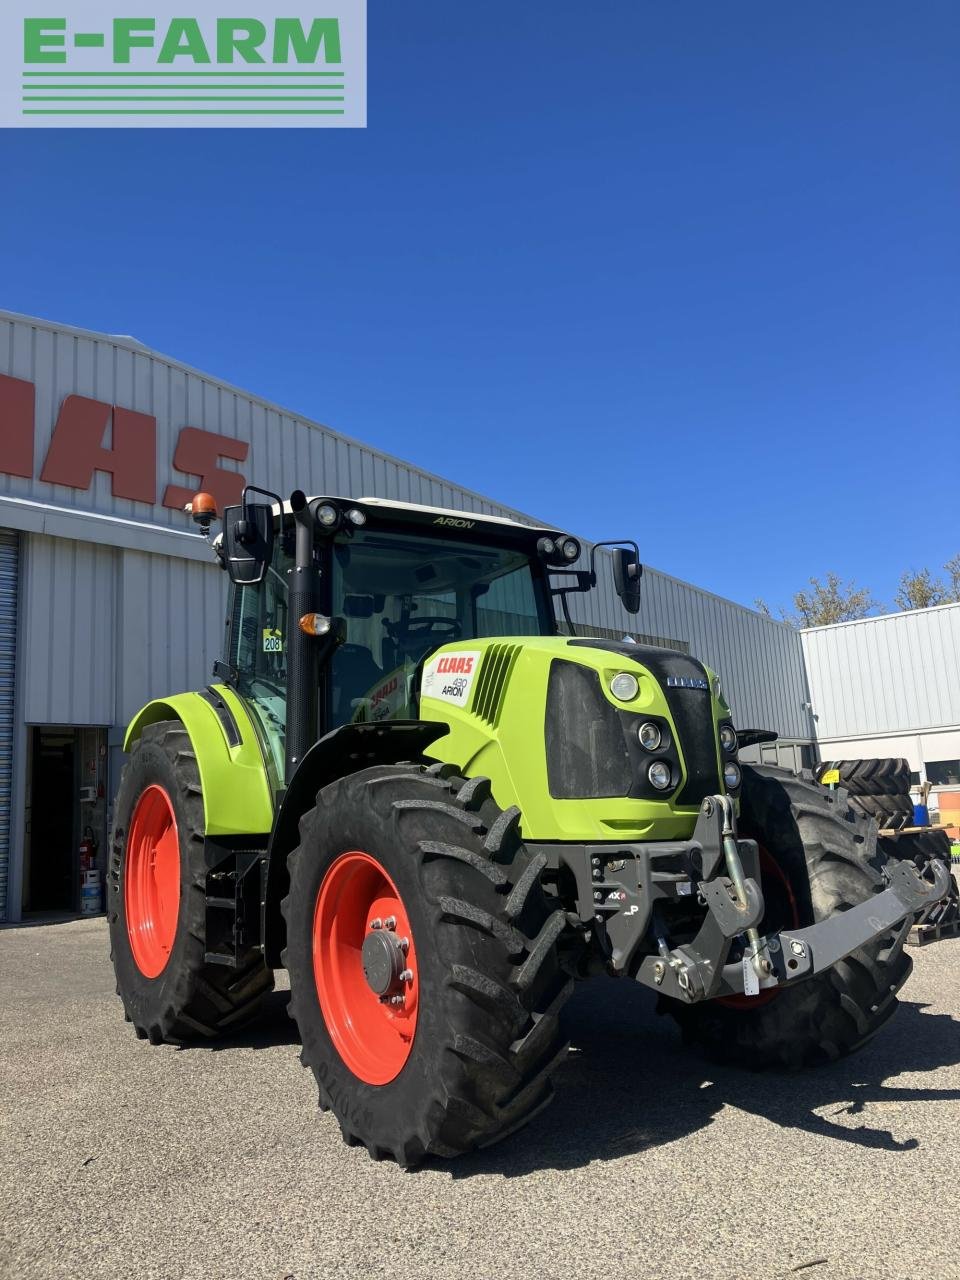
{"points": [[499, 938]]}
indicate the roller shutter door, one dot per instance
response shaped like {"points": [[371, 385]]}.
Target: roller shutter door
{"points": [[9, 566]]}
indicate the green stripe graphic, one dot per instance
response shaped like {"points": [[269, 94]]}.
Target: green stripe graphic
{"points": [[266, 85], [181, 97], [183, 73], [174, 111], [164, 88]]}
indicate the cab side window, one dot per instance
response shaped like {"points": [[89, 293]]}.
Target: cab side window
{"points": [[258, 654]]}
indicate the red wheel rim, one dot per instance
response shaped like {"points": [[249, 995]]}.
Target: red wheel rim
{"points": [[372, 1033], [770, 869], [151, 892]]}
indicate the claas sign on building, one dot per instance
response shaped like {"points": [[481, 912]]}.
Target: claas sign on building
{"points": [[91, 435]]}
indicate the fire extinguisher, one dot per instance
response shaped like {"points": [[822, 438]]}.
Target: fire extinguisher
{"points": [[88, 850]]}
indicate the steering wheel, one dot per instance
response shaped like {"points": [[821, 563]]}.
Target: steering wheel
{"points": [[420, 635]]}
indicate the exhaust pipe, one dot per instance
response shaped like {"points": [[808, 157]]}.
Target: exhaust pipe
{"points": [[304, 518]]}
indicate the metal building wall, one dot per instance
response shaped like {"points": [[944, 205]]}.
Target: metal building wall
{"points": [[894, 674], [9, 580], [759, 660], [69, 626], [172, 615], [108, 629]]}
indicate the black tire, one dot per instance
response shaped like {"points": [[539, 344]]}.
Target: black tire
{"points": [[490, 983], [189, 999], [890, 813], [830, 859], [871, 777], [920, 848]]}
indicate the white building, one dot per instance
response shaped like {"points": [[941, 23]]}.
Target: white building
{"points": [[890, 686]]}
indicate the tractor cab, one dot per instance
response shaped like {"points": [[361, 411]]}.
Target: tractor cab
{"points": [[391, 583]]}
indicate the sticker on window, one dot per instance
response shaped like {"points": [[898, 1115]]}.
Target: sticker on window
{"points": [[388, 699], [272, 640], [449, 676]]}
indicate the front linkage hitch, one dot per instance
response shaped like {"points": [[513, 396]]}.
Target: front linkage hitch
{"points": [[622, 887]]}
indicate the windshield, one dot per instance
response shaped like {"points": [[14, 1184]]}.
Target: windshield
{"points": [[403, 596]]}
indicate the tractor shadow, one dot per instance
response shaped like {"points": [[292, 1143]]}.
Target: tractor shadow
{"points": [[628, 1086], [271, 1028]]}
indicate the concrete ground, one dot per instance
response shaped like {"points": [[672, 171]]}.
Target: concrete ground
{"points": [[123, 1160]]}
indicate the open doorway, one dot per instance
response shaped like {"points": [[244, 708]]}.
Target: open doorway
{"points": [[65, 809]]}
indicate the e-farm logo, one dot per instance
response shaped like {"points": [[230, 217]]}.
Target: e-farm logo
{"points": [[91, 63]]}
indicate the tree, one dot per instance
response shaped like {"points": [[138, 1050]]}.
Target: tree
{"points": [[919, 590], [831, 601], [761, 606], [953, 568]]}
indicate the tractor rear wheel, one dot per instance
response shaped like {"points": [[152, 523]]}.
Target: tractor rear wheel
{"points": [[156, 901], [889, 777], [921, 848], [827, 855], [422, 953], [888, 812]]}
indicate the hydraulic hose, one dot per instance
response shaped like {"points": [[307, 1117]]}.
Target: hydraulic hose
{"points": [[735, 871]]}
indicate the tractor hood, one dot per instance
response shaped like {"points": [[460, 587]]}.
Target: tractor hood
{"points": [[560, 737]]}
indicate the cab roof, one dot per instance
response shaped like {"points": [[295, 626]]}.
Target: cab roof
{"points": [[388, 505]]}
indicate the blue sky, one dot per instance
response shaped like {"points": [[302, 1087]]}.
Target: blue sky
{"points": [[686, 271]]}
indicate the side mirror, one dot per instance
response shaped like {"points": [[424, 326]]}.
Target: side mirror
{"points": [[247, 541], [627, 571]]}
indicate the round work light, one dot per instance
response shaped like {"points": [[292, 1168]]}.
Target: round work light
{"points": [[659, 775]]}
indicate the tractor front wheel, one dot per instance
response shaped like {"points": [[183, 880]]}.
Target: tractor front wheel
{"points": [[825, 860], [156, 901], [422, 954]]}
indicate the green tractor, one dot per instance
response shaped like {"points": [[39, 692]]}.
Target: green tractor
{"points": [[435, 811]]}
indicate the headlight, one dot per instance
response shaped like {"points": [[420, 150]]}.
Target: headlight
{"points": [[327, 515], [570, 549], [659, 775], [625, 686], [356, 516], [547, 547], [728, 737], [649, 735], [717, 689], [732, 776]]}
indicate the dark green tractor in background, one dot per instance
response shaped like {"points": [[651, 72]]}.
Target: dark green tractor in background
{"points": [[436, 812]]}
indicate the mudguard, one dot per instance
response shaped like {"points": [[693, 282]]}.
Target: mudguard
{"points": [[345, 750], [237, 798]]}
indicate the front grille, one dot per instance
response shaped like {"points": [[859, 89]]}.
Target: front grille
{"points": [[690, 708], [693, 718], [586, 753]]}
